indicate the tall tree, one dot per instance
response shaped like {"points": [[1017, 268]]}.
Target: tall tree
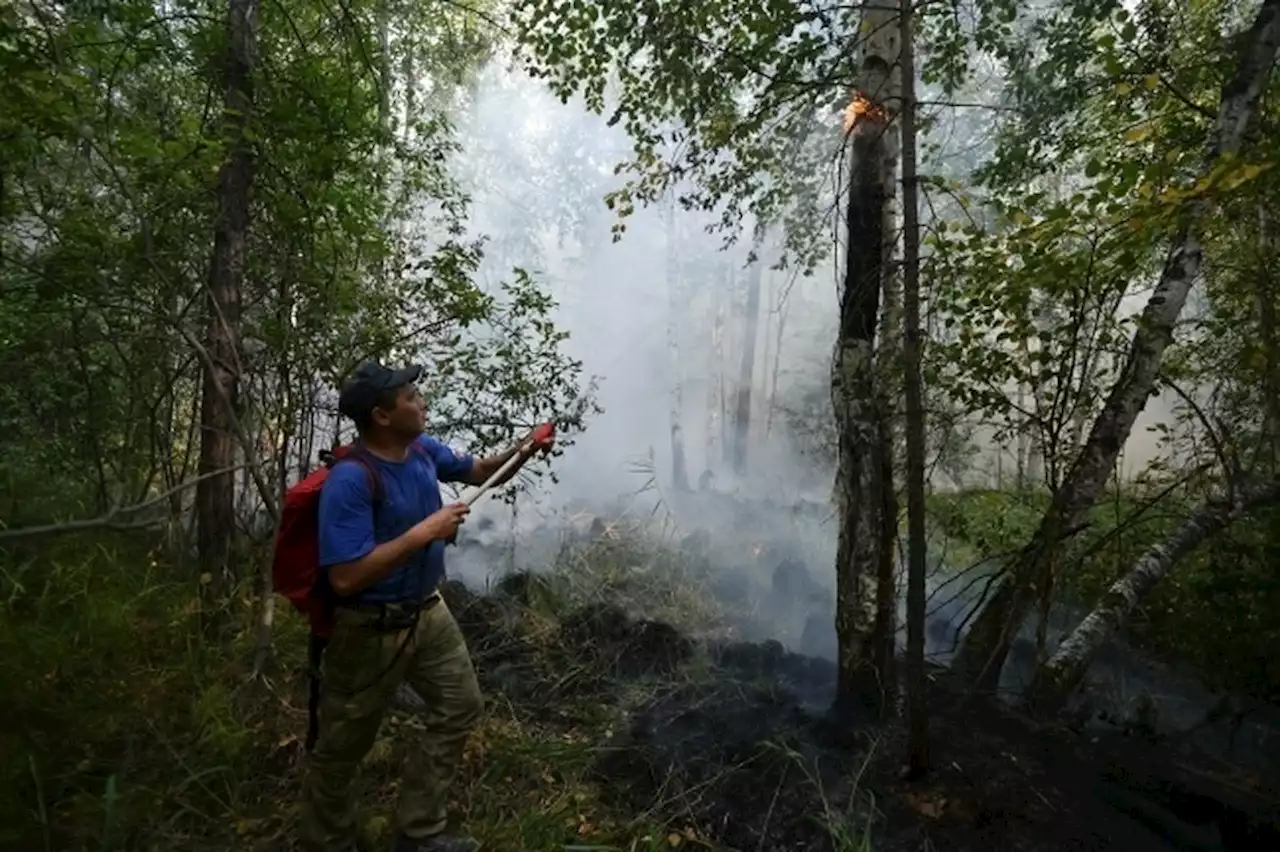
{"points": [[917, 713], [746, 368], [865, 652], [215, 493], [675, 310]]}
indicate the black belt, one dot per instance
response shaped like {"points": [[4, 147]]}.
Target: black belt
{"points": [[392, 615], [382, 607]]}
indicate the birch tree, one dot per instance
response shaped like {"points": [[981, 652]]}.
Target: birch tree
{"points": [[913, 342], [1058, 676], [983, 652]]}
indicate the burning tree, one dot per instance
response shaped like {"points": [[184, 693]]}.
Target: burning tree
{"points": [[865, 556]]}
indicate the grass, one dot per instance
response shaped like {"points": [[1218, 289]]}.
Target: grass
{"points": [[132, 725]]}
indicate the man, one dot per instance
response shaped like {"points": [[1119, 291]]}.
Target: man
{"points": [[391, 626]]}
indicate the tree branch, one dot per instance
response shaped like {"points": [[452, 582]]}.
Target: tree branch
{"points": [[111, 519]]}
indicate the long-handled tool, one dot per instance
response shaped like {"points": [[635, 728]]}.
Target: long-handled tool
{"points": [[546, 430], [542, 433]]}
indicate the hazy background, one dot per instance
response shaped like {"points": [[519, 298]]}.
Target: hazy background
{"points": [[537, 171]]}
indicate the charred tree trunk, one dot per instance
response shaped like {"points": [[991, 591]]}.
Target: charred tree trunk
{"points": [[746, 370], [917, 715], [1055, 680], [853, 391], [859, 476], [215, 496], [985, 648]]}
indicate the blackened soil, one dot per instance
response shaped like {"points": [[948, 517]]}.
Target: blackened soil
{"points": [[744, 752]]}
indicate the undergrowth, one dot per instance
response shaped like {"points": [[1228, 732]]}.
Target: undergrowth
{"points": [[133, 724], [1218, 604]]}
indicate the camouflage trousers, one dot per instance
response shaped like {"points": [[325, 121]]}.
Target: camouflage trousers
{"points": [[363, 666]]}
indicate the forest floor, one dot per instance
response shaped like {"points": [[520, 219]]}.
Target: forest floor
{"points": [[618, 718]]}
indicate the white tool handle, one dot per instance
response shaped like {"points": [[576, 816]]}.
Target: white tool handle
{"points": [[498, 474]]}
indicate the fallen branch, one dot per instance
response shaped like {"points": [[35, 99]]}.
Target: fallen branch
{"points": [[111, 520]]}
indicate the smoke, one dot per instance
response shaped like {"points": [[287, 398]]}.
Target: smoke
{"points": [[658, 317]]}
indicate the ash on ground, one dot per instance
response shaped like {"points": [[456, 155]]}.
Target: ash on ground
{"points": [[732, 740]]}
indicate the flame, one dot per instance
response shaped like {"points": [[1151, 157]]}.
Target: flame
{"points": [[861, 106]]}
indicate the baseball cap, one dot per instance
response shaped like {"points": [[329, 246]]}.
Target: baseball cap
{"points": [[370, 380]]}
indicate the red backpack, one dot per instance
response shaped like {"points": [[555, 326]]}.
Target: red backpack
{"points": [[295, 565]]}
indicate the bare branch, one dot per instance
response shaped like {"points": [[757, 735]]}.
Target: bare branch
{"points": [[116, 518]]}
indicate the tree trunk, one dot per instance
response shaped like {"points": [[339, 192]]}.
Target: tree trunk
{"points": [[983, 652], [1055, 680], [384, 67], [782, 306], [888, 378], [746, 370], [1025, 427], [215, 496], [715, 385], [1265, 302], [679, 467], [853, 381], [917, 714], [888, 557]]}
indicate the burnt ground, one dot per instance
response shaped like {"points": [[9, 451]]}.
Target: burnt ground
{"points": [[730, 741]]}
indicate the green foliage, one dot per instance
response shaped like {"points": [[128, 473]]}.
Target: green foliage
{"points": [[1220, 601], [735, 106], [129, 727], [992, 523], [110, 145], [122, 725]]}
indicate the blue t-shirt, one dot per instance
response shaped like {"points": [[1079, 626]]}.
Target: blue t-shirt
{"points": [[410, 492]]}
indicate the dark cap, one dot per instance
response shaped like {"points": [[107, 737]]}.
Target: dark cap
{"points": [[370, 380]]}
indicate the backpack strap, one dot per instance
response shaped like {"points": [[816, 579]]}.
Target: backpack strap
{"points": [[364, 458]]}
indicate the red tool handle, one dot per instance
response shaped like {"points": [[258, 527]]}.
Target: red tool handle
{"points": [[544, 433]]}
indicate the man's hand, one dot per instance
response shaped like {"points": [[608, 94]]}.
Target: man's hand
{"points": [[441, 525], [542, 438]]}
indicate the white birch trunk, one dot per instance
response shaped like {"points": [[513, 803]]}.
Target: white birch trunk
{"points": [[679, 467], [1062, 672], [986, 646]]}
